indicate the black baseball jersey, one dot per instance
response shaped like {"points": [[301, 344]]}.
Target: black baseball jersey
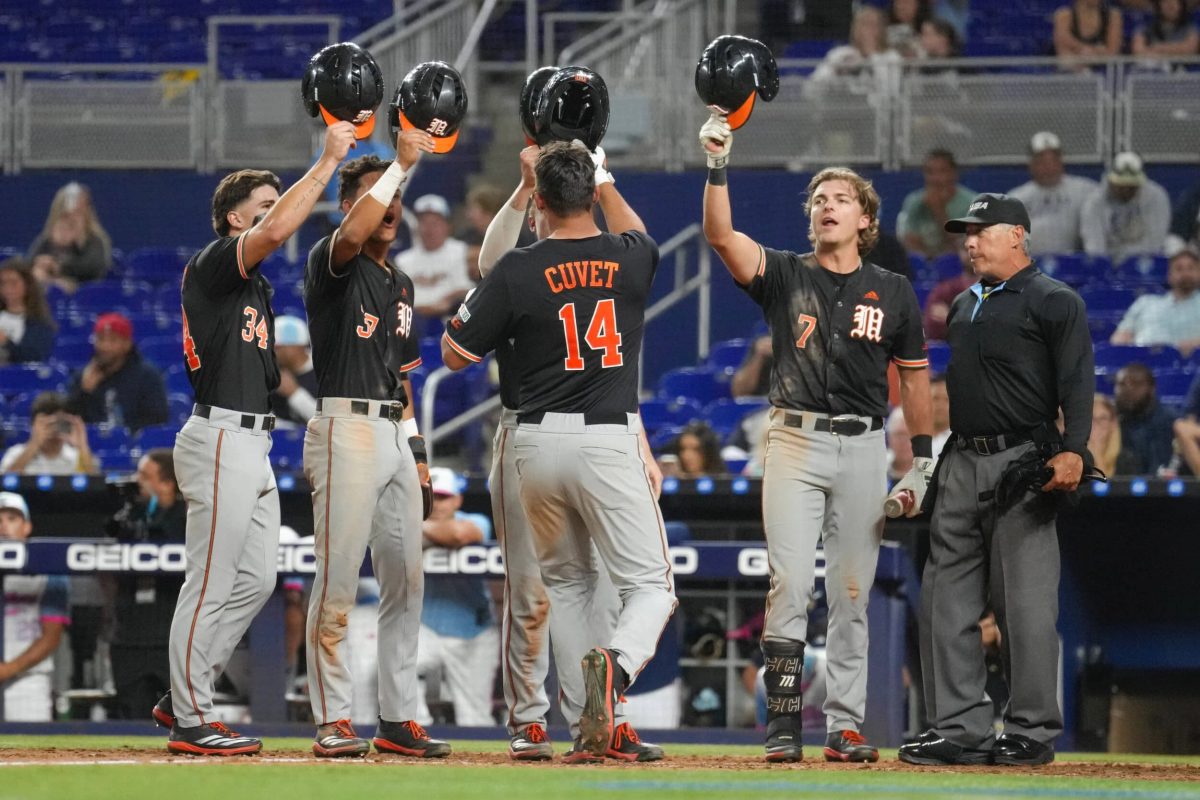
{"points": [[510, 383], [575, 311], [832, 335], [360, 320], [228, 329]]}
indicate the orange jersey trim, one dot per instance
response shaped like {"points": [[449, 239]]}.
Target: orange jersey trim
{"points": [[920, 363], [467, 354]]}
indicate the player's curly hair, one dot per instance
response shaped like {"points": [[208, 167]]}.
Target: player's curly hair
{"points": [[233, 189], [352, 172], [863, 191], [566, 178]]}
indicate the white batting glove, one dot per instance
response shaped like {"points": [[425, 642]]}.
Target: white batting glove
{"points": [[602, 173], [916, 480], [717, 131]]}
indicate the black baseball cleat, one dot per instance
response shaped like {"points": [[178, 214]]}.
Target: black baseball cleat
{"points": [[578, 754], [600, 698], [531, 744], [408, 739], [626, 745], [849, 746], [212, 739], [784, 748], [338, 740], [931, 750], [1017, 750], [164, 712]]}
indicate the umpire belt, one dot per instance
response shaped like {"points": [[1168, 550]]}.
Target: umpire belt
{"points": [[343, 406], [841, 425], [990, 445], [251, 422]]}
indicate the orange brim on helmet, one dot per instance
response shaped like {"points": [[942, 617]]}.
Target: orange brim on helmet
{"points": [[441, 144], [361, 130], [741, 116]]}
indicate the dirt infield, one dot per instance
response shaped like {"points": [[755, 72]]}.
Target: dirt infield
{"points": [[1062, 769]]}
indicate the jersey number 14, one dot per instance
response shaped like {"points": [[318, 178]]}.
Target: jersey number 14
{"points": [[602, 335]]}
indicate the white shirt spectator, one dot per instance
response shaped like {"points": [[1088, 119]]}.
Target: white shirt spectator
{"points": [[65, 463], [1158, 319], [436, 273], [1129, 216], [1055, 212]]}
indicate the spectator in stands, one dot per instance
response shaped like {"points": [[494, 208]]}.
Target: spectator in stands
{"points": [[73, 246], [937, 305], [1104, 442], [940, 398], [866, 64], [483, 202], [753, 377], [26, 326], [899, 445], [1185, 222], [1147, 429], [782, 22], [1054, 198], [1087, 28], [1169, 32], [58, 443], [925, 210], [698, 451], [458, 626], [1187, 429], [295, 401], [955, 12], [117, 387], [1129, 216], [1172, 318], [437, 263], [145, 604], [905, 19], [939, 39], [35, 612]]}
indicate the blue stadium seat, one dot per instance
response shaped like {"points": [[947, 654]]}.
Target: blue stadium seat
{"points": [[431, 353], [104, 296], [945, 266], [155, 436], [698, 383], [72, 351], [663, 436], [1107, 299], [162, 351], [108, 438], [287, 449], [167, 299], [1111, 357], [177, 380], [158, 265], [179, 407], [658, 412], [728, 356], [1172, 382], [1071, 268], [724, 415], [1145, 270], [17, 379], [18, 406], [917, 265], [117, 461], [153, 324], [939, 357]]}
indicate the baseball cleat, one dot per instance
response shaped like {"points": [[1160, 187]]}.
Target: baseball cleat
{"points": [[408, 739], [164, 712], [600, 697], [338, 740], [578, 754], [531, 744], [212, 739], [784, 748], [627, 746], [849, 746]]}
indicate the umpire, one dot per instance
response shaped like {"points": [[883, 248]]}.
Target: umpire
{"points": [[1019, 350]]}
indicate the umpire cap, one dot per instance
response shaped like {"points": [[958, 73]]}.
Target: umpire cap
{"points": [[573, 105], [991, 209], [343, 82], [731, 72], [531, 95], [431, 98]]}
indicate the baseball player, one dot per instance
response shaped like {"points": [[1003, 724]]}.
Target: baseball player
{"points": [[221, 454], [835, 324], [525, 657], [362, 455], [574, 306]]}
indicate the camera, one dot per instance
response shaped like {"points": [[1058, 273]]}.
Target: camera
{"points": [[62, 425], [130, 520]]}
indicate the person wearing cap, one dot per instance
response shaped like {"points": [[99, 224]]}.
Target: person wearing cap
{"points": [[919, 224], [1019, 351], [1128, 216], [1172, 318], [57, 444], [458, 626], [116, 386], [437, 262], [36, 609], [295, 400], [1053, 198]]}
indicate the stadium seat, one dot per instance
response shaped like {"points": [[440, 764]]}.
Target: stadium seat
{"points": [[73, 351], [108, 438], [1069, 268], [177, 380], [155, 436], [726, 357], [1172, 382], [1146, 270], [939, 357], [287, 449], [104, 296], [663, 436], [658, 412], [162, 351], [698, 383], [179, 407], [1111, 357], [157, 265], [724, 415], [18, 379], [945, 266], [1107, 299]]}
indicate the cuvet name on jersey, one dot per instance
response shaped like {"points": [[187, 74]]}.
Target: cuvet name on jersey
{"points": [[581, 275]]}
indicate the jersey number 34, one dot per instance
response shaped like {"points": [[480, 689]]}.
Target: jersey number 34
{"points": [[602, 335]]}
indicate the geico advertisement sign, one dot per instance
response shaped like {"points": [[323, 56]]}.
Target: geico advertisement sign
{"points": [[12, 555], [140, 557]]}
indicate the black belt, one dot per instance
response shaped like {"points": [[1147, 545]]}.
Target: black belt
{"points": [[247, 422], [990, 445], [838, 426], [393, 412], [589, 418]]}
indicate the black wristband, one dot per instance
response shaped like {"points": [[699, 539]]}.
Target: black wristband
{"points": [[922, 446], [717, 176], [417, 445]]}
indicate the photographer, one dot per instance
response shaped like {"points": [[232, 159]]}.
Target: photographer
{"points": [[57, 443], [154, 511]]}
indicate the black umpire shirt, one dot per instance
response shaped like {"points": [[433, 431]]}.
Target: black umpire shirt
{"points": [[228, 329], [832, 335], [1017, 356]]}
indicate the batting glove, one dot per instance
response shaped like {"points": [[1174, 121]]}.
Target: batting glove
{"points": [[602, 173], [916, 481], [717, 131]]}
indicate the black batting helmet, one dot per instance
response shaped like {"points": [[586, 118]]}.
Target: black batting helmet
{"points": [[343, 82], [531, 94], [431, 98], [573, 105], [732, 70]]}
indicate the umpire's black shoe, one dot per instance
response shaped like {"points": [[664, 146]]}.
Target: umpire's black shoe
{"points": [[849, 746], [164, 712], [408, 739], [931, 750], [1016, 750]]}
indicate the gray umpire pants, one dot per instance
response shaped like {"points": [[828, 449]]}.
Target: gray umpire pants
{"points": [[821, 486], [978, 554], [581, 485], [232, 541]]}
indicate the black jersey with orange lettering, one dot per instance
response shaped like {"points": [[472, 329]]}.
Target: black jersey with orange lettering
{"points": [[228, 329], [575, 311], [833, 335], [360, 320]]}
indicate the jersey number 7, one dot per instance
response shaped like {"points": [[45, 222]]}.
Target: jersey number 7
{"points": [[602, 334]]}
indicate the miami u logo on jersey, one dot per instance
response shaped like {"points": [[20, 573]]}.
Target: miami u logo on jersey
{"points": [[868, 323], [404, 319]]}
